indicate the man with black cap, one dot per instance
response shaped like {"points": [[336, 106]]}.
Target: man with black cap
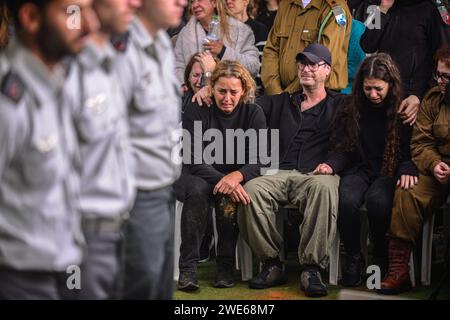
{"points": [[306, 177]]}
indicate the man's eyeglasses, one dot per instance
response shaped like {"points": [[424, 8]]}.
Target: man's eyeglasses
{"points": [[312, 67], [444, 77]]}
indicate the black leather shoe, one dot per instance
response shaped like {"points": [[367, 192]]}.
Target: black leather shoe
{"points": [[187, 281], [311, 283], [271, 275], [224, 278], [351, 276]]}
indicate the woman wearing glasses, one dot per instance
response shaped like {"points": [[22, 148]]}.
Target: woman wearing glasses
{"points": [[430, 149], [376, 143]]}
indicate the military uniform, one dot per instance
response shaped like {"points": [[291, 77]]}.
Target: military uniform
{"points": [[107, 180], [150, 85], [430, 144], [294, 29], [40, 234]]}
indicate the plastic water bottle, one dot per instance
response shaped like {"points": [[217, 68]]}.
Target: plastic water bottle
{"points": [[213, 33]]}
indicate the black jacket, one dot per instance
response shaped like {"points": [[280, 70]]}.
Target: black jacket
{"points": [[367, 157], [245, 116], [410, 34], [283, 113]]}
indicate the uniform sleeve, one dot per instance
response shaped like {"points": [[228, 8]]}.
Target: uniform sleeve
{"points": [[270, 69], [245, 52], [127, 70], [73, 92], [406, 166], [336, 38], [10, 134], [197, 167], [253, 169], [423, 143]]}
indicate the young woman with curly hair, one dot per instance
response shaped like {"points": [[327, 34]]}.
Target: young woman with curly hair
{"points": [[377, 146]]}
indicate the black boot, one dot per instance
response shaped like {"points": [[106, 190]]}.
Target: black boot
{"points": [[187, 281], [351, 276], [224, 277]]}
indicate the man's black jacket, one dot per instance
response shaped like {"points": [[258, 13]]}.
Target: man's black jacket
{"points": [[283, 113]]}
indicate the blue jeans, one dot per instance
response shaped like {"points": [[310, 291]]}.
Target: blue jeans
{"points": [[149, 236]]}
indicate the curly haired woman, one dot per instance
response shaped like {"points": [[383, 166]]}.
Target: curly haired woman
{"points": [[378, 145]]}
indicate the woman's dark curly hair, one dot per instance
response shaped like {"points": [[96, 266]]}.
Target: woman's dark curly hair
{"points": [[345, 134]]}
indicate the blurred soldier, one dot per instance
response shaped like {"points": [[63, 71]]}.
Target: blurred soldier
{"points": [[107, 188], [40, 234], [148, 74]]}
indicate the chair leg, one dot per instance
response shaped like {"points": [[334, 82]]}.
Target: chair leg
{"points": [[177, 239], [214, 229], [334, 260], [244, 259], [412, 275], [427, 243]]}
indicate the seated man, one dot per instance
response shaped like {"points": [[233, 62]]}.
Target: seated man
{"points": [[304, 120], [430, 149]]}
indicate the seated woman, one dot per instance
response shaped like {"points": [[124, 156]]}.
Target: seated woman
{"points": [[376, 144], [213, 172], [199, 68], [236, 40], [430, 148]]}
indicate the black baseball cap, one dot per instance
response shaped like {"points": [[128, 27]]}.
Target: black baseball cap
{"points": [[315, 53]]}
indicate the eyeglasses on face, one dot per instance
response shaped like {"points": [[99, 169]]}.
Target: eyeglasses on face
{"points": [[313, 67], [443, 76]]}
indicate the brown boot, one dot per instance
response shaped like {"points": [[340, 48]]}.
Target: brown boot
{"points": [[397, 279]]}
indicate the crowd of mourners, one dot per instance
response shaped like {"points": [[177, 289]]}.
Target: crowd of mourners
{"points": [[344, 107]]}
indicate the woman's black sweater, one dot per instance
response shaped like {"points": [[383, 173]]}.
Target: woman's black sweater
{"points": [[245, 116]]}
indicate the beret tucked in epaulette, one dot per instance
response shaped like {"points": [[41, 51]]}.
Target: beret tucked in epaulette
{"points": [[120, 41], [12, 87]]}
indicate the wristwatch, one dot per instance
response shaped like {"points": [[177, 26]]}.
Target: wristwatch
{"points": [[205, 78], [208, 74]]}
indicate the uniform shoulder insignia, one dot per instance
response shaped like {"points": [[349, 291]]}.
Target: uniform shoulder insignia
{"points": [[12, 87], [338, 12], [443, 8], [120, 41]]}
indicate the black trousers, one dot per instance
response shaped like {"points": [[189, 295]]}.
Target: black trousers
{"points": [[196, 195], [377, 195]]}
